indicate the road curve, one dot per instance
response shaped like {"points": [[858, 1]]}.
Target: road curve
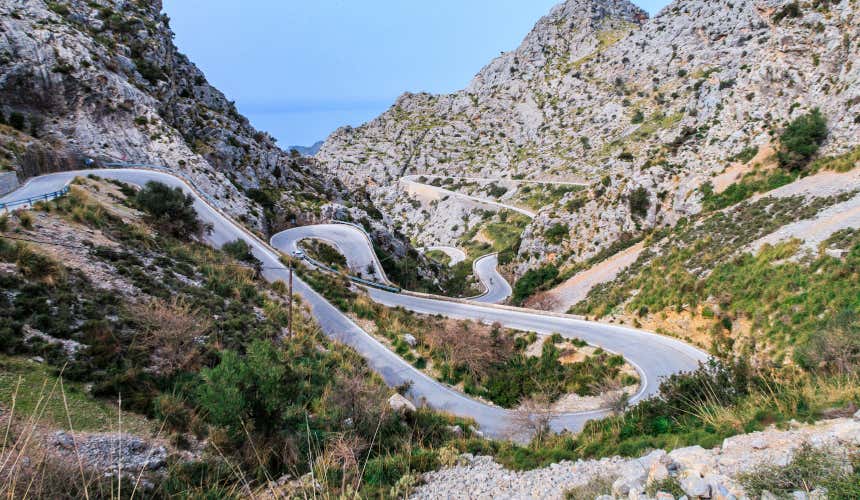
{"points": [[497, 289], [363, 262], [350, 241], [653, 356], [455, 254], [412, 186]]}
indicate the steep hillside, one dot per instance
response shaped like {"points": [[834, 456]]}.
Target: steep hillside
{"points": [[646, 110], [104, 80], [133, 355]]}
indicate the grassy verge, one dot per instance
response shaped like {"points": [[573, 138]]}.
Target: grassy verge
{"points": [[325, 253], [548, 276], [752, 183], [489, 362], [34, 391], [701, 408], [439, 256], [810, 469]]}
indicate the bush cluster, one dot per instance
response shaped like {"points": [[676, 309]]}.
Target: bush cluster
{"points": [[170, 209], [801, 139], [534, 280]]}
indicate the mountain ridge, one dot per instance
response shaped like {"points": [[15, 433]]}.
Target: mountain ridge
{"points": [[656, 108]]}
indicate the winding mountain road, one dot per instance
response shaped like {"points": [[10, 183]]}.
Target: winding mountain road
{"points": [[455, 254], [652, 355]]}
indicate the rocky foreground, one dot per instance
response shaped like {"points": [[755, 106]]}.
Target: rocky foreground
{"points": [[701, 473]]}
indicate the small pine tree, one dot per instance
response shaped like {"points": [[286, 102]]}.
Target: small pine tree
{"points": [[801, 140], [17, 121], [640, 202]]}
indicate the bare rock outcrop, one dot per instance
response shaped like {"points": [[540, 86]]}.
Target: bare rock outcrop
{"points": [[645, 109]]}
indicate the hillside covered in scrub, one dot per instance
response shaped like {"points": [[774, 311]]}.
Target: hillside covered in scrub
{"points": [[117, 319]]}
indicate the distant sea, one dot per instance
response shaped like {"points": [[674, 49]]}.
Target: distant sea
{"points": [[305, 126]]}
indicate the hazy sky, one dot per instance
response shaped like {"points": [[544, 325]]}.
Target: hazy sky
{"points": [[301, 68]]}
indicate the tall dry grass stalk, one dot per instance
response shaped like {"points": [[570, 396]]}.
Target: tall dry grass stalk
{"points": [[28, 469], [810, 392]]}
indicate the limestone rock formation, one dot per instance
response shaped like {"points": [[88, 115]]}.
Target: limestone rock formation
{"points": [[103, 79], [644, 109]]}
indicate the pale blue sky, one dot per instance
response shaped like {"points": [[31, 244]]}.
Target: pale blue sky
{"points": [[301, 68]]}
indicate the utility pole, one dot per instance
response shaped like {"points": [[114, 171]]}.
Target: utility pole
{"points": [[290, 314]]}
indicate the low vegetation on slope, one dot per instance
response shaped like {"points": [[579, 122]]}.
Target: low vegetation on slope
{"points": [[773, 302], [325, 253], [539, 196], [265, 403], [486, 361], [702, 408], [192, 339]]}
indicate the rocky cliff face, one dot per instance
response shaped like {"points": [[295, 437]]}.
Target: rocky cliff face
{"points": [[103, 79], [645, 109]]}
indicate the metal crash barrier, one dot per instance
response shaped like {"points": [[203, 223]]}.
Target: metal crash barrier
{"points": [[354, 279], [28, 202]]}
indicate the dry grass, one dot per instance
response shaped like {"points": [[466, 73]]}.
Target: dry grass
{"points": [[28, 468], [596, 487], [470, 344], [532, 418], [814, 393], [169, 332]]}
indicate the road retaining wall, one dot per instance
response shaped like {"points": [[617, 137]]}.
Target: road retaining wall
{"points": [[8, 182]]}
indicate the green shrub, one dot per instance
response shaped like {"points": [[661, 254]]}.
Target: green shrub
{"points": [[58, 8], [598, 487], [534, 280], [173, 412], [240, 250], [840, 163], [801, 140], [639, 202], [557, 233], [747, 154], [496, 191], [791, 10], [325, 253], [17, 121], [669, 485], [638, 117], [34, 266], [809, 469], [746, 188], [169, 209], [149, 71]]}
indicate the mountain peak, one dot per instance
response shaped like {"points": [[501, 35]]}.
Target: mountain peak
{"points": [[570, 31]]}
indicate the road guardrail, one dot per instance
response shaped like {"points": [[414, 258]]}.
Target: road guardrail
{"points": [[27, 202], [354, 279]]}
